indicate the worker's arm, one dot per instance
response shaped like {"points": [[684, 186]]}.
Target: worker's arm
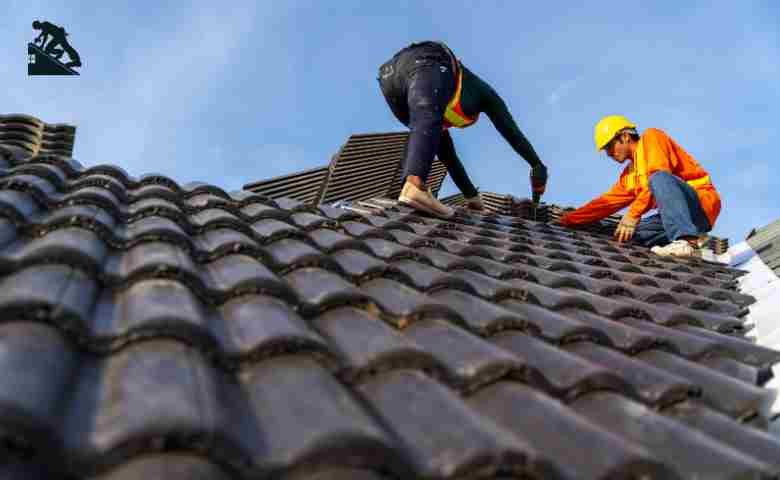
{"points": [[601, 207], [485, 99], [450, 160], [657, 158]]}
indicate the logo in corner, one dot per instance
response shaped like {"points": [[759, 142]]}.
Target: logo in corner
{"points": [[44, 54]]}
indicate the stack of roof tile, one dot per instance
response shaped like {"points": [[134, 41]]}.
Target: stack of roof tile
{"points": [[164, 331], [508, 205], [368, 165]]}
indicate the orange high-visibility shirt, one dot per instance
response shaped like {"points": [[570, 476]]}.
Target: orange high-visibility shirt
{"points": [[655, 152]]}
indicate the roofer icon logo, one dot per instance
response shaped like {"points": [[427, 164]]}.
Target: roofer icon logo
{"points": [[46, 51]]}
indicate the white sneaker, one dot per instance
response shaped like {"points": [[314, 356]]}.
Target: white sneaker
{"points": [[678, 248], [424, 201]]}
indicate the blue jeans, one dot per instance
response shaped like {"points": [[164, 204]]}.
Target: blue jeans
{"points": [[679, 212]]}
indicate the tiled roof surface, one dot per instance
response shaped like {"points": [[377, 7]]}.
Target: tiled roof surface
{"points": [[153, 330], [368, 165]]}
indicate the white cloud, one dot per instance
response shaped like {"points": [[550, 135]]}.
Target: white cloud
{"points": [[562, 90]]}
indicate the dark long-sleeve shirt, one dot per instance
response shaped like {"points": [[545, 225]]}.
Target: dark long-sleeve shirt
{"points": [[477, 96]]}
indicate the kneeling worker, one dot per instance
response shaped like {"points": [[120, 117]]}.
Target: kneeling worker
{"points": [[661, 175]]}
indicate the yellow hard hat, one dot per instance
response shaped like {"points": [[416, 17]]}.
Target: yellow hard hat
{"points": [[608, 127]]}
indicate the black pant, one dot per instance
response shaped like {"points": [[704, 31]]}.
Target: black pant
{"points": [[417, 84]]}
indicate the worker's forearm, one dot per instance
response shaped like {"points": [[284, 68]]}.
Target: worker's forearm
{"points": [[595, 210], [506, 126]]}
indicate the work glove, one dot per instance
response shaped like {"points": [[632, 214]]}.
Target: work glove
{"points": [[626, 228], [538, 178]]}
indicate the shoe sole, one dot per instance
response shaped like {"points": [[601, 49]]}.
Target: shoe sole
{"points": [[696, 254], [419, 206]]}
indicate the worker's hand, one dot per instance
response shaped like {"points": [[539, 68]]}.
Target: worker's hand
{"points": [[626, 228], [538, 178]]}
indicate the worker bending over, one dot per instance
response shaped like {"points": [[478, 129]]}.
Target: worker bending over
{"points": [[429, 90], [660, 174]]}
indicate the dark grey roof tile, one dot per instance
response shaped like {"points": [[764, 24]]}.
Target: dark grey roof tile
{"points": [[290, 205], [721, 392], [52, 293], [413, 240], [479, 315], [232, 275], [363, 230], [440, 434], [557, 371], [692, 454], [490, 288], [443, 260], [138, 399], [150, 258], [8, 231], [269, 229], [76, 246], [152, 206], [359, 265], [34, 184], [651, 385], [258, 210], [403, 303], [38, 366], [310, 221], [424, 277], [338, 214], [155, 227], [91, 195], [756, 443], [243, 338], [733, 368], [387, 250], [621, 336], [86, 215], [319, 289], [559, 435], [300, 414], [18, 206], [289, 253], [554, 326], [211, 217], [173, 466], [151, 307], [334, 473], [369, 346], [330, 240], [469, 362], [747, 352], [683, 343], [223, 240]]}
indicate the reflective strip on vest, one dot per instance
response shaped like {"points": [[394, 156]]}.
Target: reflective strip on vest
{"points": [[698, 182], [454, 116]]}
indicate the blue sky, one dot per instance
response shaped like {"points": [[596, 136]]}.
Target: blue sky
{"points": [[233, 92]]}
